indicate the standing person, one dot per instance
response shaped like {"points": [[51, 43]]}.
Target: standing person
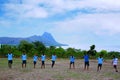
{"points": [[86, 61], [115, 62], [43, 57], [72, 61], [100, 62], [35, 58], [10, 60], [53, 58], [24, 60]]}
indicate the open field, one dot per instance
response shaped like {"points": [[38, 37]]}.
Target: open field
{"points": [[60, 71]]}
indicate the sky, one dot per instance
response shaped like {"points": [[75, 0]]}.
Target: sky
{"points": [[78, 23]]}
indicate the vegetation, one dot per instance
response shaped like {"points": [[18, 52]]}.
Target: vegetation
{"points": [[39, 48]]}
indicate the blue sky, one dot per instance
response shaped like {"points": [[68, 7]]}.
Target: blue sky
{"points": [[78, 23]]}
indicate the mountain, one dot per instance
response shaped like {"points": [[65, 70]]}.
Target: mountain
{"points": [[47, 39]]}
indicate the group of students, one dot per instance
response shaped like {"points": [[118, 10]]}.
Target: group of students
{"points": [[54, 57], [99, 59], [42, 59], [35, 59]]}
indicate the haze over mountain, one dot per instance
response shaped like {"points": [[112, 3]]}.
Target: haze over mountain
{"points": [[47, 39]]}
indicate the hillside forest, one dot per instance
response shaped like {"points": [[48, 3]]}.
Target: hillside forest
{"points": [[39, 48]]}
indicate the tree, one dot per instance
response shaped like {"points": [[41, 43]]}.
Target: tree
{"points": [[92, 50], [103, 53], [5, 49], [39, 47], [25, 46], [82, 53], [92, 47], [50, 50], [113, 53], [70, 51], [60, 52]]}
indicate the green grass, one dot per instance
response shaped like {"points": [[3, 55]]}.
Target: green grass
{"points": [[3, 63]]}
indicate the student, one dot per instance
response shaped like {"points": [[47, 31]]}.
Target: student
{"points": [[24, 60], [10, 60], [72, 61], [100, 62], [86, 61], [115, 62], [43, 57], [35, 58], [53, 58]]}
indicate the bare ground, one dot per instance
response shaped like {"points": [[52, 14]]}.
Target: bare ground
{"points": [[60, 71]]}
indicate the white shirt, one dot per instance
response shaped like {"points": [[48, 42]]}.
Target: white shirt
{"points": [[115, 61]]}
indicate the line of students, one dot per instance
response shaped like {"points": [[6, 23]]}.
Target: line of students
{"points": [[99, 59], [54, 57], [42, 59], [100, 62], [35, 58]]}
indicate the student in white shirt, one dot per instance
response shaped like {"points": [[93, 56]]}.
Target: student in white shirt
{"points": [[115, 62]]}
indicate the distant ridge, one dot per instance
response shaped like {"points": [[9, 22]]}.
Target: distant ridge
{"points": [[47, 39]]}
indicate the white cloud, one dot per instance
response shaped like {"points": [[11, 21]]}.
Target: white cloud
{"points": [[61, 6], [25, 11], [36, 13], [98, 23], [33, 8], [5, 24]]}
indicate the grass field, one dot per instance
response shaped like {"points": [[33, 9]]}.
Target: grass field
{"points": [[60, 71]]}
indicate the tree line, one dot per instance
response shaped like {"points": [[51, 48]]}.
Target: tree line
{"points": [[31, 48]]}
